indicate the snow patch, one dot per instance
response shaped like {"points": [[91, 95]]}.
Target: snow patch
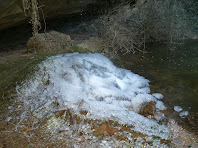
{"points": [[91, 82], [183, 114], [158, 96], [178, 108], [160, 105]]}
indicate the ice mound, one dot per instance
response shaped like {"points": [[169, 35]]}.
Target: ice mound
{"points": [[91, 82]]}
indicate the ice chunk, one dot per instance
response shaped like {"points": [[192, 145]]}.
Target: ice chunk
{"points": [[183, 114], [10, 107], [91, 82], [160, 105], [158, 96], [178, 108], [159, 116], [8, 119]]}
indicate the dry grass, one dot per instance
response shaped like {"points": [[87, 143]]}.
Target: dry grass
{"points": [[93, 44], [32, 7], [130, 28], [50, 42]]}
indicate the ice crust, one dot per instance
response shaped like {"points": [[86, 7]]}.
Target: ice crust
{"points": [[183, 114], [178, 108], [160, 105], [91, 82], [158, 96]]}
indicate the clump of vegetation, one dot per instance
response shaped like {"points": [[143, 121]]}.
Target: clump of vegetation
{"points": [[79, 49], [129, 28], [50, 42], [32, 7]]}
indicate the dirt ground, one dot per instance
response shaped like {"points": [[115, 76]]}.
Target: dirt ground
{"points": [[12, 48]]}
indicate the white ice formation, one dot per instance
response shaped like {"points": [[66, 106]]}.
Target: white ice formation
{"points": [[91, 82], [183, 114], [178, 108]]}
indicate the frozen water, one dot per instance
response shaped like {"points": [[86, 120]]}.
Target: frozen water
{"points": [[8, 119], [183, 114], [178, 108], [160, 105], [91, 82], [158, 96]]}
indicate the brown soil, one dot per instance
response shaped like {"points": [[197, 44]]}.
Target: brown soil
{"points": [[148, 109], [105, 129], [12, 48], [8, 137]]}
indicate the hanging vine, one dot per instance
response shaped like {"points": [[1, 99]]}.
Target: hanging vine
{"points": [[31, 6]]}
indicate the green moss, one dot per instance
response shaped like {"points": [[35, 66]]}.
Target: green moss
{"points": [[128, 146], [16, 71], [100, 136], [79, 49]]}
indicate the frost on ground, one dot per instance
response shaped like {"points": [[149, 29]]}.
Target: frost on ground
{"points": [[182, 114], [90, 82]]}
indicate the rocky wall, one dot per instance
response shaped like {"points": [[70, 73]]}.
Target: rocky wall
{"points": [[12, 12]]}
